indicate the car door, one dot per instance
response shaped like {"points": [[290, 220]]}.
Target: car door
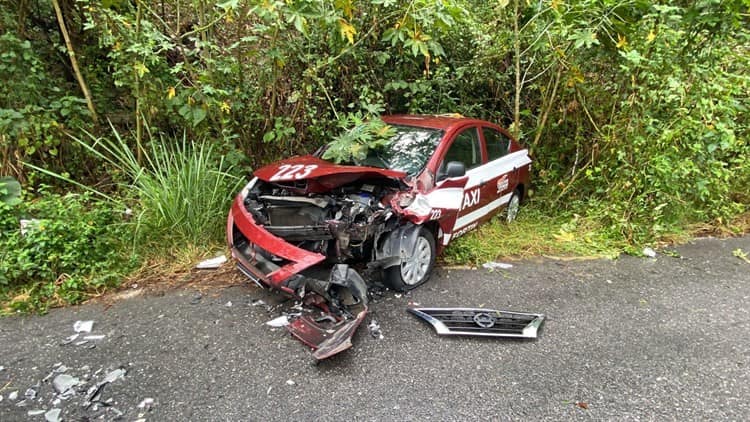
{"points": [[466, 147], [500, 173]]}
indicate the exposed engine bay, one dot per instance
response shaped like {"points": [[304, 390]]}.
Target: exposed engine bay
{"points": [[343, 224]]}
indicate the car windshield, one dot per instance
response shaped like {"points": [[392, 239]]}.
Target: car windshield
{"points": [[408, 150]]}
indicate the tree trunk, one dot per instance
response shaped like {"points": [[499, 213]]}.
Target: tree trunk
{"points": [[74, 61]]}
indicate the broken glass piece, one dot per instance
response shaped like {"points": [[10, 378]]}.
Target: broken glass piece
{"points": [[13, 395], [281, 321], [21, 403], [83, 326], [53, 415], [80, 343], [30, 394], [115, 375], [35, 412], [65, 383]]}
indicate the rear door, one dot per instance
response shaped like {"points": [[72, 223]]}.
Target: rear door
{"points": [[500, 173]]}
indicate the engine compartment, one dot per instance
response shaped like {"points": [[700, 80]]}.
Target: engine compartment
{"points": [[343, 223]]}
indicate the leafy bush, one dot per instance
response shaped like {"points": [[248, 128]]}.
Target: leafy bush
{"points": [[69, 248]]}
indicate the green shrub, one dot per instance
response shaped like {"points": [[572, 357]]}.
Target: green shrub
{"points": [[70, 248]]}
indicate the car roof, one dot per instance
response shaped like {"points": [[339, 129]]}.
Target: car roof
{"points": [[440, 121]]}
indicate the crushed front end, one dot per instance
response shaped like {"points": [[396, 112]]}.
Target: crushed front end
{"points": [[281, 233]]}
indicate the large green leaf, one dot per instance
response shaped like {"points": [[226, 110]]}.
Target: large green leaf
{"points": [[10, 190]]}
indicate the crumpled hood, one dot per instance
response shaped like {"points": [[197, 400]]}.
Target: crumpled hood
{"points": [[325, 173]]}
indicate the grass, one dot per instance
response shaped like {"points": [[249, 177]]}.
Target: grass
{"points": [[534, 233], [539, 231]]}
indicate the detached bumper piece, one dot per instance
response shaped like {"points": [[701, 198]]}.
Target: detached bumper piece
{"points": [[480, 322]]}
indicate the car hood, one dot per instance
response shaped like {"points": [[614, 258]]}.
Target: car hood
{"points": [[325, 173]]}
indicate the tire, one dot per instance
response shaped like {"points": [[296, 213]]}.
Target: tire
{"points": [[418, 269], [514, 204]]}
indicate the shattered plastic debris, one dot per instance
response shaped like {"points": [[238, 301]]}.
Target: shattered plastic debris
{"points": [[83, 326], [30, 394], [2, 368], [53, 415], [35, 412], [374, 328], [146, 403], [213, 263], [290, 382], [497, 266], [64, 385], [281, 321], [13, 395], [115, 375], [649, 252], [95, 337], [28, 224], [228, 304], [69, 339]]}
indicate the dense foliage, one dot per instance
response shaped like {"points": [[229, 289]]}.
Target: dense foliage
{"points": [[636, 111]]}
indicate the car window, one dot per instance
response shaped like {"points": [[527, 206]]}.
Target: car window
{"points": [[497, 143], [465, 148]]}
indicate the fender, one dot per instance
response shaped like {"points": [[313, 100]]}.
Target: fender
{"points": [[397, 245]]}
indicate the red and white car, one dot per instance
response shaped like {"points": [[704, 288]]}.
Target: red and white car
{"points": [[439, 177]]}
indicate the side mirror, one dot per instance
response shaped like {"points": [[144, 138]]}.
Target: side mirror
{"points": [[455, 169]]}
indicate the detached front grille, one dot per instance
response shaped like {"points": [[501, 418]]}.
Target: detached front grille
{"points": [[480, 322]]}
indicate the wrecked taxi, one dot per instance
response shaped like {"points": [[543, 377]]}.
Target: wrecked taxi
{"points": [[437, 178]]}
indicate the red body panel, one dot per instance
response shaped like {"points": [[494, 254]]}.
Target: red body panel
{"points": [[300, 258], [327, 175]]}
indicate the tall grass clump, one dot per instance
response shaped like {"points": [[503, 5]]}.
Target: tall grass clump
{"points": [[179, 190]]}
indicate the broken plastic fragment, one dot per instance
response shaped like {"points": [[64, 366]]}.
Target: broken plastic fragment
{"points": [[13, 395], [30, 394], [69, 339], [281, 321], [95, 337], [649, 252], [35, 412], [53, 415], [83, 326], [114, 375], [374, 328], [228, 304], [146, 403], [497, 266], [65, 383], [290, 382], [213, 263]]}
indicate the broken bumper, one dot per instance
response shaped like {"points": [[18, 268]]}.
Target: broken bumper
{"points": [[266, 259]]}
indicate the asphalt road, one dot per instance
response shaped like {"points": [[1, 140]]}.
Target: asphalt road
{"points": [[634, 338]]}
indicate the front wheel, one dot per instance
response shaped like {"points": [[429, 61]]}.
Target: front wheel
{"points": [[417, 269]]}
